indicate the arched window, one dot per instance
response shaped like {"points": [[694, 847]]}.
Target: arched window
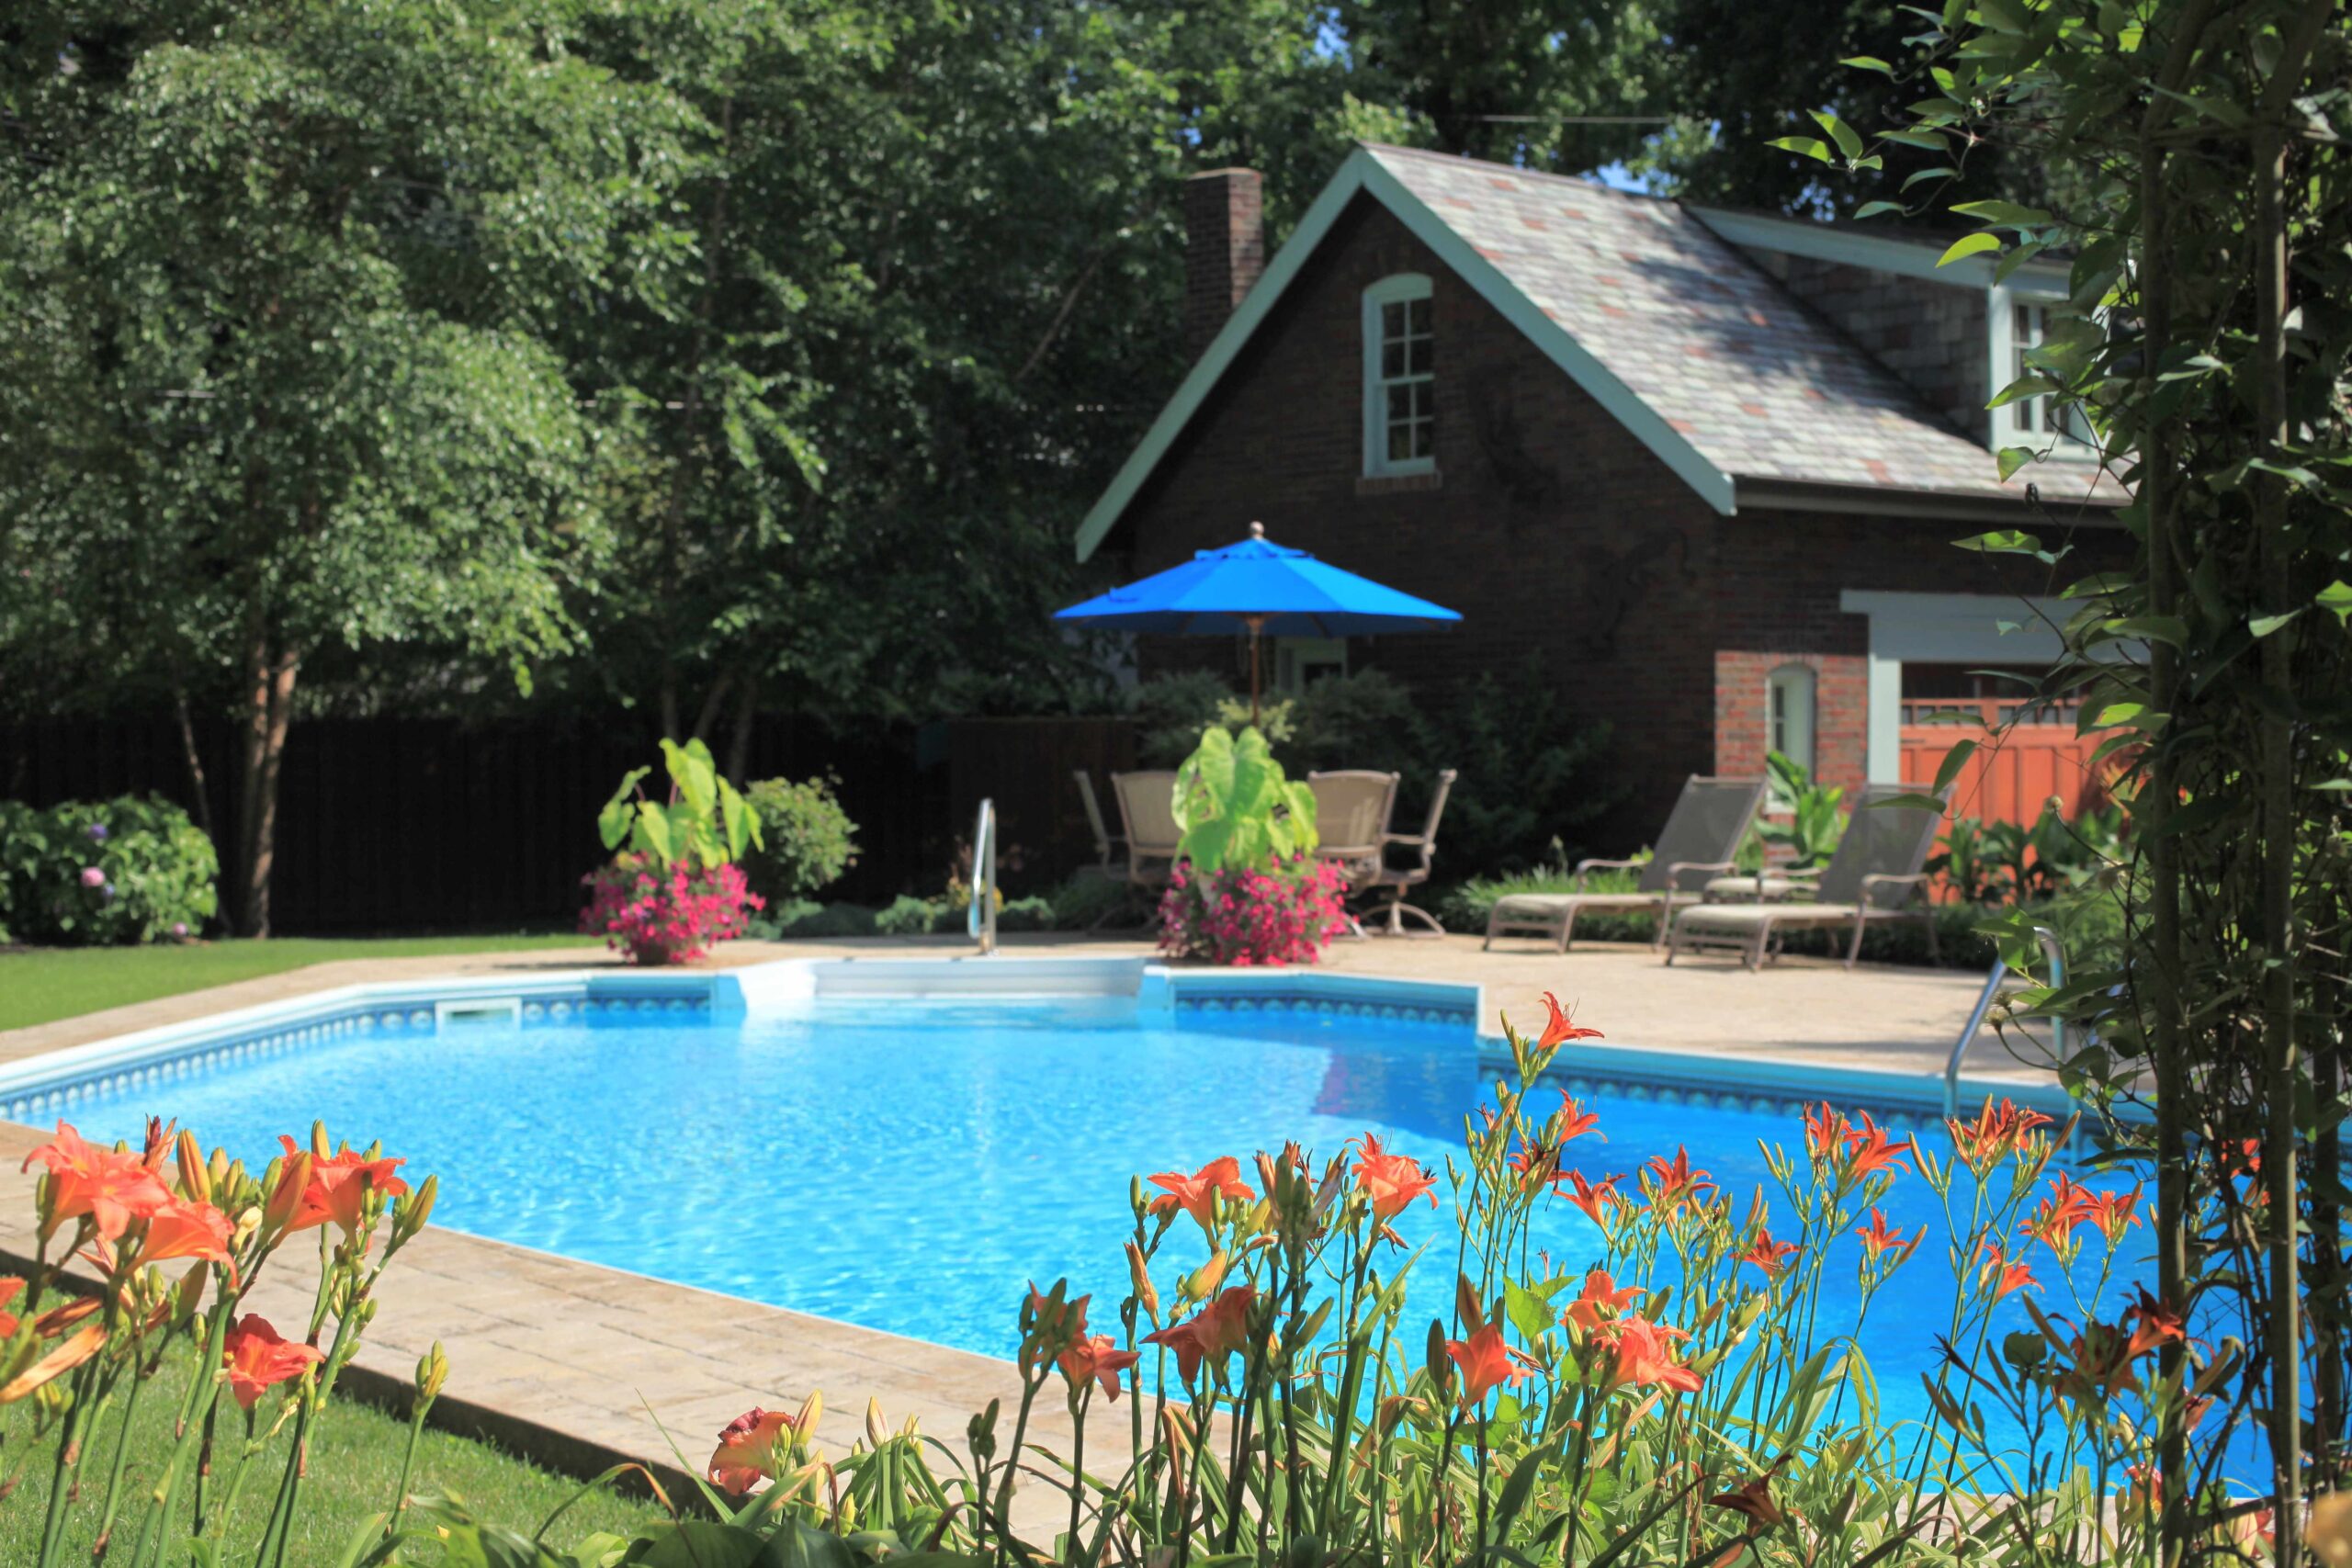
{"points": [[1788, 712], [1399, 377]]}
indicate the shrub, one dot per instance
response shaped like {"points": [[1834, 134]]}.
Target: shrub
{"points": [[808, 840], [1241, 916], [1030, 914], [1084, 901], [1533, 779], [91, 873], [807, 918], [909, 916], [1815, 817], [655, 914], [1367, 719], [1172, 711], [1465, 908]]}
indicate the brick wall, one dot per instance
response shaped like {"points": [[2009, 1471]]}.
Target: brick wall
{"points": [[1225, 248], [1931, 334], [1575, 556]]}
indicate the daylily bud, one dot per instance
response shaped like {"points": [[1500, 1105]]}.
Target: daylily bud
{"points": [[805, 1423], [196, 1176], [1393, 1411], [432, 1372], [416, 1209], [1202, 1282], [1440, 1365], [1139, 1273], [288, 1179], [877, 1430], [1135, 1195], [190, 1292]]}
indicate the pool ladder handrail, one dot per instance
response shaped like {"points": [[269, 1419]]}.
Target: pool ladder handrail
{"points": [[980, 919], [1993, 982]]}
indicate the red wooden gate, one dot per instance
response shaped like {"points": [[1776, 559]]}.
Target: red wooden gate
{"points": [[2027, 754]]}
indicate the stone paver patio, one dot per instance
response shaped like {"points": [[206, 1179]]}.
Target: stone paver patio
{"points": [[572, 1362]]}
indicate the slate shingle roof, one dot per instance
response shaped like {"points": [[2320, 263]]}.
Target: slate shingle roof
{"points": [[1761, 386]]}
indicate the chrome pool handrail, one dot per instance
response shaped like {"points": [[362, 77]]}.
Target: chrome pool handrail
{"points": [[1993, 982], [980, 919]]}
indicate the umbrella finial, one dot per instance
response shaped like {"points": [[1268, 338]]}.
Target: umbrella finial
{"points": [[1257, 530]]}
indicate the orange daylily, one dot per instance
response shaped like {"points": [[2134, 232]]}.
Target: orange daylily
{"points": [[10, 1288], [113, 1188], [752, 1448], [1214, 1332], [1878, 1239], [1575, 1119], [183, 1228], [1768, 1255], [1600, 1301], [1824, 1132], [1754, 1500], [2054, 1221], [1993, 1135], [1645, 1357], [1487, 1363], [2003, 1275], [1559, 1029], [1869, 1150], [1591, 1199], [259, 1359], [2156, 1323], [1392, 1181], [1096, 1355], [337, 1186], [2100, 1365], [1677, 1182], [1196, 1194], [2112, 1214], [1536, 1162]]}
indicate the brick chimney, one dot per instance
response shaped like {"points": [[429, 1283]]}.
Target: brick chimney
{"points": [[1225, 249]]}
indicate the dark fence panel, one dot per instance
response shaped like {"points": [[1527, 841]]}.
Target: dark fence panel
{"points": [[392, 824], [1024, 765]]}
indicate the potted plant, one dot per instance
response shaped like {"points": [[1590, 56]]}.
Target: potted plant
{"points": [[1247, 888], [675, 889]]}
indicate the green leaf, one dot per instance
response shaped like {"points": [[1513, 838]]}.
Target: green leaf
{"points": [[1848, 140], [1968, 246], [2263, 625], [2170, 630], [1949, 769], [2002, 542], [1914, 801], [2003, 214], [2012, 459], [655, 834], [1803, 146], [2337, 597], [1928, 140], [1868, 63], [1873, 208], [1934, 174]]}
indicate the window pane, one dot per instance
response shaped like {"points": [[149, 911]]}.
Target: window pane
{"points": [[1392, 321], [1423, 438], [1418, 318], [1401, 442], [1417, 354], [1400, 400], [1392, 358]]}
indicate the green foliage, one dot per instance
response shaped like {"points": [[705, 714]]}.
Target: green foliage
{"points": [[705, 822], [1081, 901], [1993, 862], [1815, 821], [1034, 913], [807, 840], [1171, 711], [908, 915], [1533, 778], [1364, 719], [156, 873], [1467, 906], [1235, 807]]}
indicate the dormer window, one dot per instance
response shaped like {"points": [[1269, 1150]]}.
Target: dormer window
{"points": [[2033, 420], [1399, 377]]}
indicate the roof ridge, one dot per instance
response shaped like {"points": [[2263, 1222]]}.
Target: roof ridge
{"points": [[1579, 181]]}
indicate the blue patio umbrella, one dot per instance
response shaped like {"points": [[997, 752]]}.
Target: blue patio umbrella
{"points": [[1259, 586]]}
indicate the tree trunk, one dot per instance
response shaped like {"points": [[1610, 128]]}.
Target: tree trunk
{"points": [[195, 761], [747, 715], [269, 710]]}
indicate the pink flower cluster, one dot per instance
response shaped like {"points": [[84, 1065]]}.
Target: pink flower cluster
{"points": [[1239, 916], [654, 914]]}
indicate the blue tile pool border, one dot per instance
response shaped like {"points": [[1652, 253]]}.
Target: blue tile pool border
{"points": [[47, 1086]]}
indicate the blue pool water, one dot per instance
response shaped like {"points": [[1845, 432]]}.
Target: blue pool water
{"points": [[909, 1165]]}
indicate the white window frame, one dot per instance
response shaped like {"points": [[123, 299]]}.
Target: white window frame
{"points": [[1792, 704], [1296, 657], [2006, 362], [1402, 288]]}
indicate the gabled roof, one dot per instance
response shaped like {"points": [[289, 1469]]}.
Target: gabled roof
{"points": [[1707, 361]]}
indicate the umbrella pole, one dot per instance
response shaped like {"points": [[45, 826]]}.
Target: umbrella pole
{"points": [[1256, 624]]}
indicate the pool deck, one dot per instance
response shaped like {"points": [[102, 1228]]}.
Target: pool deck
{"points": [[572, 1362]]}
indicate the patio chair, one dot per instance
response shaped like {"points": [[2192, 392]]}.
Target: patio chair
{"points": [[1701, 834], [1352, 810], [1394, 880], [1108, 852], [1874, 877], [1148, 812]]}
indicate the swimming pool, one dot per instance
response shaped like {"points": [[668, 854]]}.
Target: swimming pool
{"points": [[909, 1164]]}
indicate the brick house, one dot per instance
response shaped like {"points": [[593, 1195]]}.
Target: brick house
{"points": [[1704, 468]]}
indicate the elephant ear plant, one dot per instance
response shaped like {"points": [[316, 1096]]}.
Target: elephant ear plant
{"points": [[1246, 888], [675, 888]]}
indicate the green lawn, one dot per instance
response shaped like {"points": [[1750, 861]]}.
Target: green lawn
{"points": [[38, 984], [355, 1467]]}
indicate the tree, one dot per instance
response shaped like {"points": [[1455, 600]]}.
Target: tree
{"points": [[2205, 197], [283, 386]]}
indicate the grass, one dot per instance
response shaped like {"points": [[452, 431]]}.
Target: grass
{"points": [[355, 1467], [40, 984]]}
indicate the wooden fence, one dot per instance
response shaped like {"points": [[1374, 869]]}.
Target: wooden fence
{"points": [[1026, 766], [2015, 770]]}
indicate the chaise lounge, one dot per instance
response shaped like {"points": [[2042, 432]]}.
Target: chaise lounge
{"points": [[1700, 835], [1873, 878]]}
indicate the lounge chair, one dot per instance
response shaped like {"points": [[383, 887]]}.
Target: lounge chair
{"points": [[1108, 853], [1874, 877], [1394, 880], [1148, 812], [1352, 810], [1700, 837]]}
